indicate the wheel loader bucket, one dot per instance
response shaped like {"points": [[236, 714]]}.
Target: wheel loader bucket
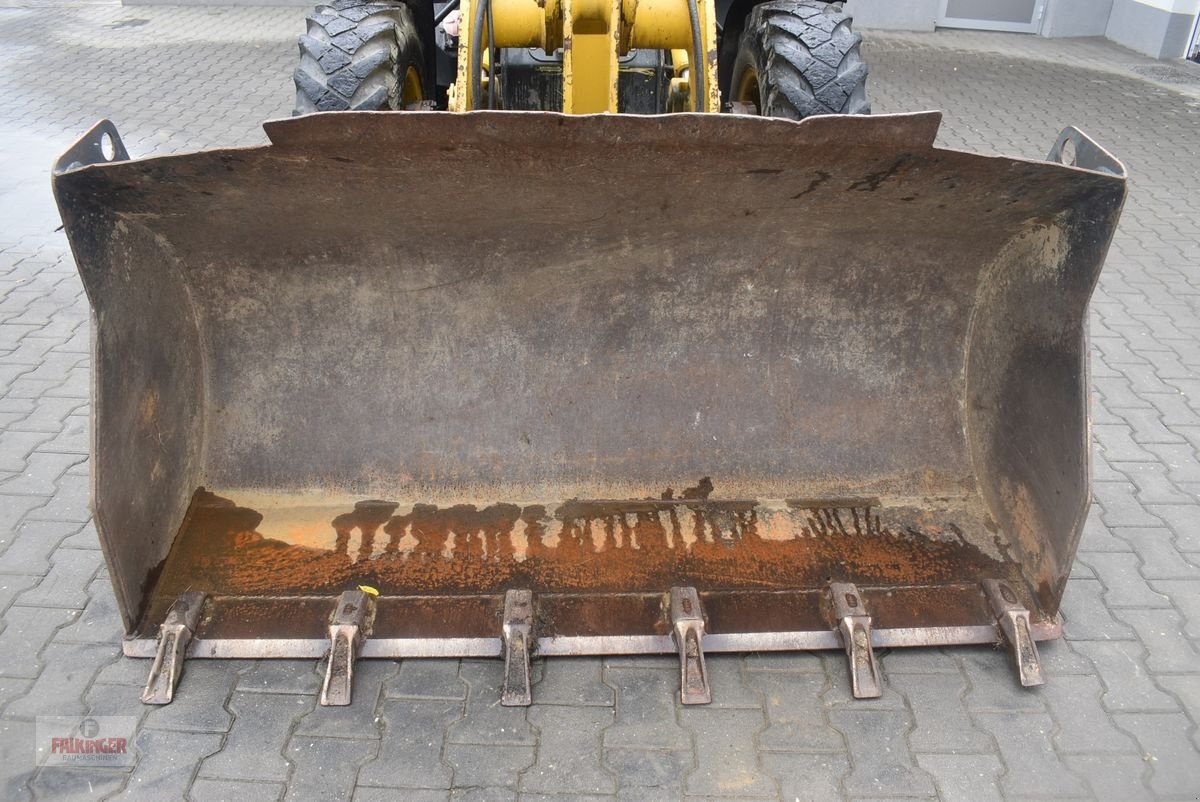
{"points": [[418, 384]]}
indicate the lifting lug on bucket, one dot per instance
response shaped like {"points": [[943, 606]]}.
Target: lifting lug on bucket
{"points": [[854, 624], [1014, 624], [173, 638], [687, 627], [517, 634], [345, 636]]}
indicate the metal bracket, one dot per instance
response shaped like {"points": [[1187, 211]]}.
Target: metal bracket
{"points": [[687, 626], [345, 636], [101, 144], [854, 624], [173, 638], [517, 634], [1014, 624]]}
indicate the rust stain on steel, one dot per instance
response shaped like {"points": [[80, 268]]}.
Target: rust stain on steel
{"points": [[587, 546]]}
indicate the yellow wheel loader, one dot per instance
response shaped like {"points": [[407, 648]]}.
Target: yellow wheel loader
{"points": [[542, 330]]}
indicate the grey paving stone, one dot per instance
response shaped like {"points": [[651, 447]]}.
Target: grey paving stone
{"points": [[1025, 743], [410, 751], [1179, 460], [1186, 597], [82, 784], [923, 660], [15, 448], [1185, 688], [645, 711], [796, 716], [200, 698], [1153, 485], [326, 768], [11, 586], [1161, 631], [65, 584], [728, 684], [1174, 410], [484, 794], [206, 789], [725, 761], [255, 744], [1117, 444], [13, 509], [1147, 423], [942, 723], [1085, 617], [1120, 506], [13, 688], [166, 763], [1112, 776], [1157, 551], [72, 439], [100, 621], [964, 778], [645, 772], [282, 676], [992, 684], [108, 699], [356, 720], [67, 671], [1084, 726], [491, 767], [71, 501], [85, 538], [17, 756], [124, 671], [485, 720], [880, 759], [569, 754], [48, 415], [1172, 755], [41, 472], [807, 777], [371, 794], [426, 679], [1117, 392], [26, 632], [1124, 585], [840, 694], [664, 662], [573, 681], [1184, 523], [800, 662], [1127, 684]]}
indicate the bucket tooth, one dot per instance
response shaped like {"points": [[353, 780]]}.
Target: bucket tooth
{"points": [[345, 637], [517, 635], [173, 638], [854, 624], [1014, 625], [687, 627]]}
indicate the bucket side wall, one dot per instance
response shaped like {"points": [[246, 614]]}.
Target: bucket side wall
{"points": [[147, 395], [1028, 422]]}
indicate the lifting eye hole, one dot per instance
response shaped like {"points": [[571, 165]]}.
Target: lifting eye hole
{"points": [[1066, 153], [108, 148]]}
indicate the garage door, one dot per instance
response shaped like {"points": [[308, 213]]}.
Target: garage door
{"points": [[1024, 16]]}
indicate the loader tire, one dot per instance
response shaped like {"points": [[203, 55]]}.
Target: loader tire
{"points": [[797, 59], [360, 56]]}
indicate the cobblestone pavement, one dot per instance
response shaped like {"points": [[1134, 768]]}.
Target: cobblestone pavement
{"points": [[1116, 721]]}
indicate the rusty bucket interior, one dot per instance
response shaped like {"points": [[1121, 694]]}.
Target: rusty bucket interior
{"points": [[446, 357]]}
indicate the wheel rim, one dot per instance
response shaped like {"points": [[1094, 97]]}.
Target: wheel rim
{"points": [[746, 90], [411, 90]]}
